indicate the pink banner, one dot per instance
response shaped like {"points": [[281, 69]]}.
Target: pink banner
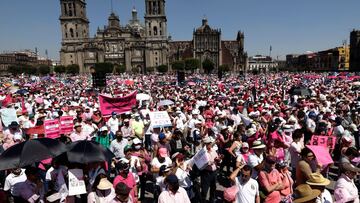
{"points": [[66, 124], [322, 154], [52, 129], [325, 141], [118, 105]]}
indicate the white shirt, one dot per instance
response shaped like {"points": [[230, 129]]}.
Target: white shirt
{"points": [[247, 191], [253, 161], [11, 180], [345, 190], [295, 149], [168, 197], [117, 147], [155, 163], [325, 197], [113, 124], [183, 176]]}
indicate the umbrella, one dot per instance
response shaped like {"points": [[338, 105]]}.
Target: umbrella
{"points": [[85, 152], [166, 102], [191, 83], [300, 91], [29, 152], [142, 97], [22, 91]]}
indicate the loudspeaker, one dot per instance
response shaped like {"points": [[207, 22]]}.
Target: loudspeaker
{"points": [[99, 80], [180, 77]]}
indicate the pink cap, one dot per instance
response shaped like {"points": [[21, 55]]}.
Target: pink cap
{"points": [[163, 152]]}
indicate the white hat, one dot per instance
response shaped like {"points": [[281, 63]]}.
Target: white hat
{"points": [[104, 184], [208, 140], [195, 112], [104, 128], [353, 127], [250, 132], [197, 122], [258, 145], [137, 141]]}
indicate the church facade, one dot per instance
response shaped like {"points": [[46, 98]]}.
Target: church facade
{"points": [[138, 45]]}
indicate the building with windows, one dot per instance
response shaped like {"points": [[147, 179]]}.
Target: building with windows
{"points": [[208, 44], [134, 45], [22, 58], [355, 50], [261, 64]]}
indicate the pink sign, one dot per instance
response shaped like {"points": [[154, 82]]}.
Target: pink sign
{"points": [[52, 129], [322, 154], [66, 124], [325, 141]]}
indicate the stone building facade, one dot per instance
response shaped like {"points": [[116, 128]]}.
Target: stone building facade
{"points": [[134, 45], [355, 50], [207, 44]]}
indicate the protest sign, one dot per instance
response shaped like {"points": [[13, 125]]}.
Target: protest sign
{"points": [[8, 115], [52, 129], [322, 154], [160, 119], [37, 130], [201, 160], [326, 141], [118, 104], [76, 182], [66, 124]]}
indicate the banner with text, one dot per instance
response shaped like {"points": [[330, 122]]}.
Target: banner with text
{"points": [[66, 124], [160, 119], [118, 105], [52, 129], [325, 141]]}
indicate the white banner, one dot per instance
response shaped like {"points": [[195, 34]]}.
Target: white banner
{"points": [[160, 119]]}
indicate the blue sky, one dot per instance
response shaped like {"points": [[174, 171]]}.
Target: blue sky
{"points": [[290, 26]]}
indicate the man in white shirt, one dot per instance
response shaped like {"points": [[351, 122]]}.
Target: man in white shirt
{"points": [[16, 176], [318, 182], [256, 159], [113, 123], [248, 187], [118, 145], [174, 193], [345, 188]]}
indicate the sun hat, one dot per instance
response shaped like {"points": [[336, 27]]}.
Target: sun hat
{"points": [[353, 127], [208, 140], [304, 193], [258, 145], [104, 184], [317, 179], [163, 152], [250, 132]]}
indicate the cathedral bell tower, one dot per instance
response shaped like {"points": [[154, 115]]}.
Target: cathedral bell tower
{"points": [[75, 31], [155, 19]]}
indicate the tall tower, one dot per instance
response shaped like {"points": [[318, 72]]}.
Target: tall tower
{"points": [[155, 19], [75, 30], [156, 33]]}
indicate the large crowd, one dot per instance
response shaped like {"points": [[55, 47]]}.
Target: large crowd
{"points": [[257, 133]]}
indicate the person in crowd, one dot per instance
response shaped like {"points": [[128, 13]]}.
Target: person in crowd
{"points": [[126, 177], [174, 193], [287, 191], [15, 177], [318, 182], [126, 130], [248, 187], [103, 137], [103, 191], [304, 194], [345, 188], [256, 159], [122, 192], [295, 149], [113, 123], [306, 166], [117, 145], [32, 189]]}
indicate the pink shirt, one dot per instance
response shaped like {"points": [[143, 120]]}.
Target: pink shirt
{"points": [[128, 181], [268, 179], [76, 137], [179, 197]]}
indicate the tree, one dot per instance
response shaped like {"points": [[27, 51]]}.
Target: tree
{"points": [[60, 69], [30, 70], [104, 68], [208, 66], [120, 69], [72, 69], [43, 70], [15, 70], [150, 69], [162, 68], [135, 70], [178, 65], [192, 64], [224, 68]]}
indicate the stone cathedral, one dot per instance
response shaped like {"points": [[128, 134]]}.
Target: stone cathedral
{"points": [[138, 45]]}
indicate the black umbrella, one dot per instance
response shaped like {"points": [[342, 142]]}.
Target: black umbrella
{"points": [[84, 152], [29, 152], [300, 91]]}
